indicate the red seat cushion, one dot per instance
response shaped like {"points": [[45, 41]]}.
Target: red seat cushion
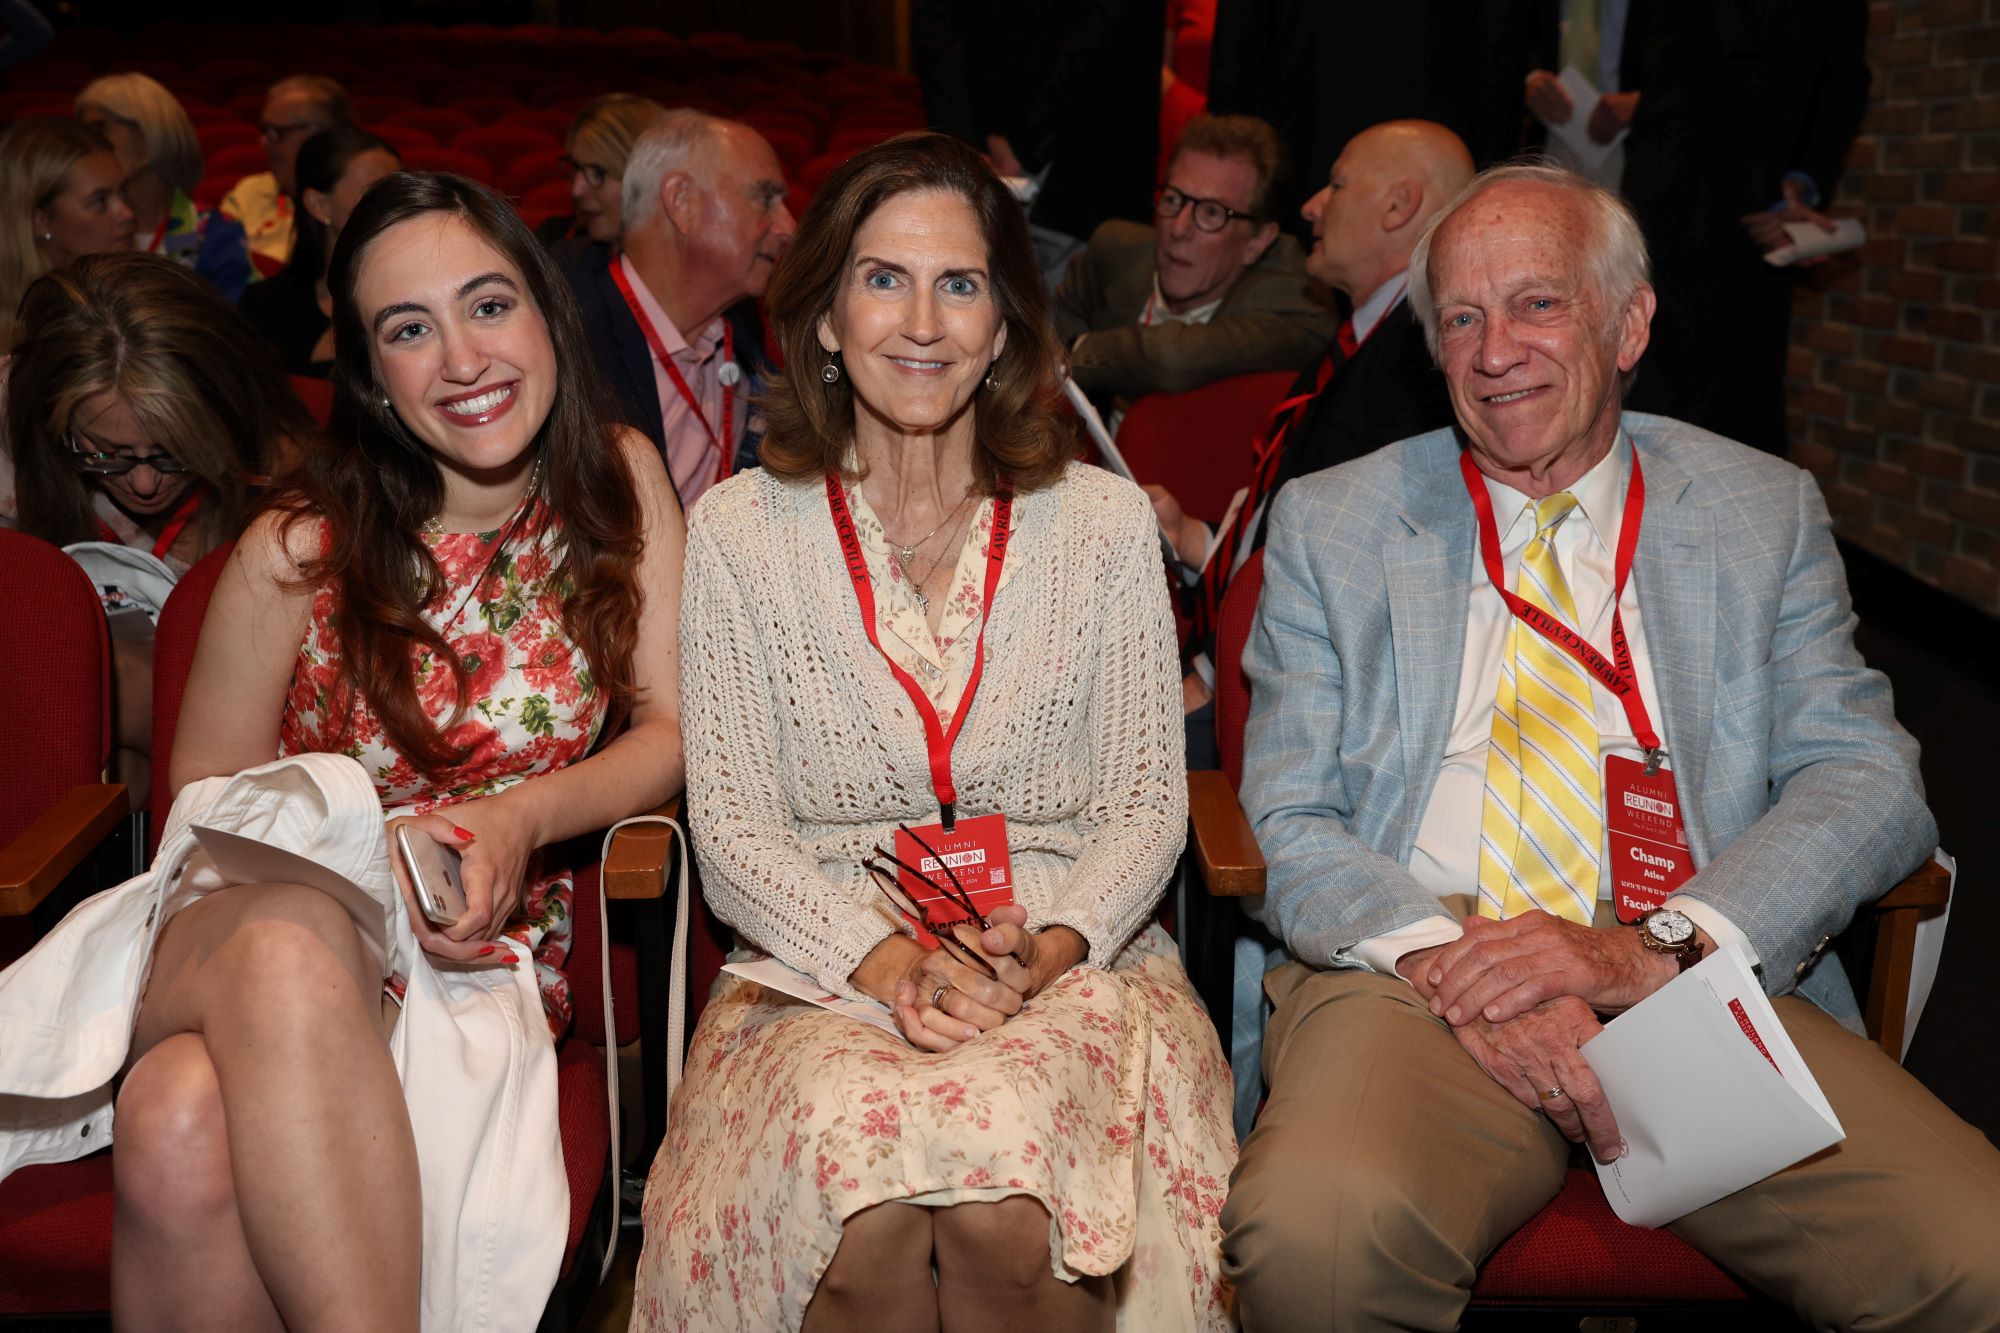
{"points": [[469, 165], [586, 1134], [1576, 1249], [55, 655], [55, 1238], [501, 145]]}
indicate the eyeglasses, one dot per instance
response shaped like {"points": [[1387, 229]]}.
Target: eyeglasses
{"points": [[1209, 214], [593, 175], [273, 133], [104, 463], [949, 889]]}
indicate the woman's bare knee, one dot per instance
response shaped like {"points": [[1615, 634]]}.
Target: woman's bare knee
{"points": [[1003, 1244], [171, 1170]]}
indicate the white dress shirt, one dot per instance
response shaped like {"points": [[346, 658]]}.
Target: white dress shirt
{"points": [[1445, 859]]}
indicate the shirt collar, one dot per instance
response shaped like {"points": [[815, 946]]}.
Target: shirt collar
{"points": [[1157, 312], [1600, 496], [1379, 303], [670, 335]]}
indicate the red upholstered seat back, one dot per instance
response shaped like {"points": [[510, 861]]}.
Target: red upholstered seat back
{"points": [[1232, 689], [173, 654], [316, 394], [1200, 444], [55, 657]]}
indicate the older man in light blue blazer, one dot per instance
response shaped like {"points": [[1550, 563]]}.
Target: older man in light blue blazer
{"points": [[1425, 1080]]}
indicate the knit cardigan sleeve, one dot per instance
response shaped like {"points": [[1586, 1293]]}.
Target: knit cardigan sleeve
{"points": [[1135, 824], [755, 874]]}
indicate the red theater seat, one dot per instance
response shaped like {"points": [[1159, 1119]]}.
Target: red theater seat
{"points": [[442, 122], [373, 108], [449, 159], [403, 138], [237, 160], [500, 145], [216, 135], [555, 120], [530, 170], [486, 108], [1200, 444], [548, 200]]}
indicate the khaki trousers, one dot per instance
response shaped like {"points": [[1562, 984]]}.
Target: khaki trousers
{"points": [[1387, 1165]]}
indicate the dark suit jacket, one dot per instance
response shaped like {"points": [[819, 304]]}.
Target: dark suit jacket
{"points": [[1389, 390], [1266, 322], [626, 363]]}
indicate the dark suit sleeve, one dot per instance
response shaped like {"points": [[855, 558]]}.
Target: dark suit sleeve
{"points": [[1080, 298]]}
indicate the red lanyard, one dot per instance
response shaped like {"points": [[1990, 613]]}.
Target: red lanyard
{"points": [[937, 739], [1619, 679], [175, 525], [159, 234], [721, 442]]}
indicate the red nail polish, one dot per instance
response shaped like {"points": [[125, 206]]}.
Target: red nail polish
{"points": [[483, 952], [464, 835]]}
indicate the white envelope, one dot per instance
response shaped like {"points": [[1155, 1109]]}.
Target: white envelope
{"points": [[1709, 1091]]}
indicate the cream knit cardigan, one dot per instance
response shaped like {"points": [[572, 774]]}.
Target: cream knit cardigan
{"points": [[803, 752]]}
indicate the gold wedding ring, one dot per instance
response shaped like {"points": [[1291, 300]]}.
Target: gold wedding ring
{"points": [[1553, 1093], [937, 998]]}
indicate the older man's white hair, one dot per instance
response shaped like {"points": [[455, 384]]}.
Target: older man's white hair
{"points": [[1616, 253], [674, 142]]}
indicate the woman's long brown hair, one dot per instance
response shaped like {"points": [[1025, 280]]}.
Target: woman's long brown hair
{"points": [[375, 485]]}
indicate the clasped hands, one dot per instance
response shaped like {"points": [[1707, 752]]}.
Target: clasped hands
{"points": [[1521, 996], [941, 1002]]}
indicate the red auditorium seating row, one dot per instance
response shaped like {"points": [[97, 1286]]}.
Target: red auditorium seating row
{"points": [[506, 125]]}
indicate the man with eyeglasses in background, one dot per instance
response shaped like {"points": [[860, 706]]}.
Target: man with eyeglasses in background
{"points": [[295, 109], [1211, 290]]}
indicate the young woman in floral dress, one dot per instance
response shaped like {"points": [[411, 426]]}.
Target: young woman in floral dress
{"points": [[471, 582]]}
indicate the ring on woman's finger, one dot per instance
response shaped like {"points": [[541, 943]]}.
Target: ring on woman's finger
{"points": [[1551, 1094], [937, 996]]}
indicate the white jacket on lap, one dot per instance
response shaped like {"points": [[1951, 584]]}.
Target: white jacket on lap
{"points": [[472, 1048]]}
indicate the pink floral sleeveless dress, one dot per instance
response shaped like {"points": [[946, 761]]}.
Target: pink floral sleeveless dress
{"points": [[531, 706]]}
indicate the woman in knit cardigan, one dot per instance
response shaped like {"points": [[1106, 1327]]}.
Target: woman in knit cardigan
{"points": [[1037, 1134]]}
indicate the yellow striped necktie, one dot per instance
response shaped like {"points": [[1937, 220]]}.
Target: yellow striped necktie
{"points": [[1543, 822]]}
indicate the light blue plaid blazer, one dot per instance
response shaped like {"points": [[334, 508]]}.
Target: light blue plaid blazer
{"points": [[1800, 791]]}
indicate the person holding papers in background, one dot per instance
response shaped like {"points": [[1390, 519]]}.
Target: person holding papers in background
{"points": [[1594, 38], [1474, 651], [1043, 1141], [1212, 289], [672, 318]]}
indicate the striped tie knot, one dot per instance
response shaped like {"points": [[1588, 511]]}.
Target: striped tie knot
{"points": [[1551, 510]]}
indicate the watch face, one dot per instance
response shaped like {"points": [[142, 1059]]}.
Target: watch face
{"points": [[1670, 927]]}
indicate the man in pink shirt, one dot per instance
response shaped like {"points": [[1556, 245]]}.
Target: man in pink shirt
{"points": [[672, 317]]}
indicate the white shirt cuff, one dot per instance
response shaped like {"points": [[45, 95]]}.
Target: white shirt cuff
{"points": [[1378, 953], [1719, 927]]}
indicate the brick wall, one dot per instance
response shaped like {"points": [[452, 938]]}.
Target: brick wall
{"points": [[1894, 381]]}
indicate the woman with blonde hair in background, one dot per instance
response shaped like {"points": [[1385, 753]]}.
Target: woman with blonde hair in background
{"points": [[599, 144], [59, 200], [155, 143], [139, 407]]}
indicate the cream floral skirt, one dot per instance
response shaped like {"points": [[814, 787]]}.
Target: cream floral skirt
{"points": [[1107, 1098]]}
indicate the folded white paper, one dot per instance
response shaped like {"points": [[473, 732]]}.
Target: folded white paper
{"points": [[1709, 1092], [1809, 241], [1574, 133], [771, 974]]}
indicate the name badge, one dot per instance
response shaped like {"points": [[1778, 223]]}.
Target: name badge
{"points": [[1648, 838], [976, 852]]}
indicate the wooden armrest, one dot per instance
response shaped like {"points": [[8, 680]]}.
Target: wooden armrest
{"points": [[1885, 1008], [1232, 864], [35, 862], [1927, 887], [640, 857]]}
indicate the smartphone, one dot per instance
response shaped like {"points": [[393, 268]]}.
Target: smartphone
{"points": [[434, 875]]}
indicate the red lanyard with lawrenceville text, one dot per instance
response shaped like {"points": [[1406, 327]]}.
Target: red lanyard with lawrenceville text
{"points": [[937, 739], [175, 525], [666, 360], [1619, 679]]}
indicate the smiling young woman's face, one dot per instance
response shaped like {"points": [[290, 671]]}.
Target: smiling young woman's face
{"points": [[915, 320], [458, 344]]}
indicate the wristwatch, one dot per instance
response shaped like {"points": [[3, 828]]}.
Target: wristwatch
{"points": [[1669, 932]]}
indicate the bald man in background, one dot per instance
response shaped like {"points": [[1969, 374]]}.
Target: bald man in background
{"points": [[1374, 384]]}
